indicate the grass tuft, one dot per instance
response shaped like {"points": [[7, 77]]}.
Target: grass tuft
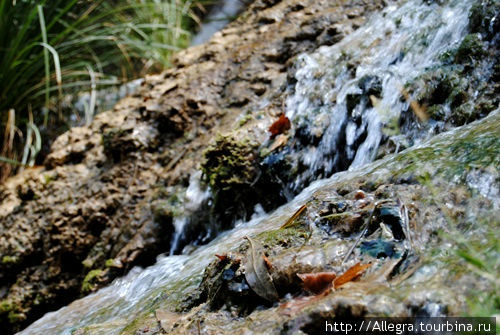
{"points": [[93, 44]]}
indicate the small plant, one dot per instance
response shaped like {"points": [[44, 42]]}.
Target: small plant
{"points": [[52, 48]]}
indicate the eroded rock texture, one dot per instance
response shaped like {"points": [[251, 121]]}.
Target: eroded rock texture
{"points": [[92, 205]]}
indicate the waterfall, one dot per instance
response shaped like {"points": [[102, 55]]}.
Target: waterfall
{"points": [[346, 93], [342, 98]]}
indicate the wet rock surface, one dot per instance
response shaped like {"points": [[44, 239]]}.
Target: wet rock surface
{"points": [[420, 226], [108, 194], [90, 207]]}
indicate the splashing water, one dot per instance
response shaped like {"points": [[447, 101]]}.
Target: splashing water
{"points": [[195, 196], [394, 46], [346, 93], [113, 307]]}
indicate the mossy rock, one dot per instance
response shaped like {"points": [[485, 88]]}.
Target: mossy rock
{"points": [[91, 280], [484, 18], [230, 162], [239, 179], [284, 237], [471, 48]]}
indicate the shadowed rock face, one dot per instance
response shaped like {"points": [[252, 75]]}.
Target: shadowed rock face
{"points": [[92, 205]]}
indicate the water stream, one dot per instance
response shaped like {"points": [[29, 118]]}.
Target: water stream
{"points": [[222, 13], [394, 46], [347, 93]]}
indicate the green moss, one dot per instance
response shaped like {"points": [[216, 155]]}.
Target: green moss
{"points": [[9, 260], [5, 306], [230, 162], [244, 120], [10, 309], [285, 237], [482, 18], [147, 320], [472, 47], [165, 210], [48, 178], [436, 112], [88, 263], [15, 317], [90, 281]]}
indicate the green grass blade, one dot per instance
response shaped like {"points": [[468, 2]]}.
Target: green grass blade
{"points": [[45, 60]]}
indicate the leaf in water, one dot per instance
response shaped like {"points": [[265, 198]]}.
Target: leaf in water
{"points": [[317, 282], [279, 142], [222, 257], [294, 217], [256, 272], [167, 319], [279, 126], [383, 273], [352, 273], [419, 110]]}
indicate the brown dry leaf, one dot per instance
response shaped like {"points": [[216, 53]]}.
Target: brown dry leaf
{"points": [[222, 257], [419, 110], [167, 319], [317, 282], [279, 126], [294, 217], [280, 141], [375, 101], [268, 263], [256, 272], [352, 273]]}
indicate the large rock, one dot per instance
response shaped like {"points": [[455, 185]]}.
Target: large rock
{"points": [[91, 212]]}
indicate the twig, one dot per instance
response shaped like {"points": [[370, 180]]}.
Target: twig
{"points": [[406, 222], [365, 229]]}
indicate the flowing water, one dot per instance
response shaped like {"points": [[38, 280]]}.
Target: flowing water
{"points": [[194, 197], [346, 93], [221, 14], [394, 46]]}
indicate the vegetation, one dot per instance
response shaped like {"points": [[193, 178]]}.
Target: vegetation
{"points": [[51, 48]]}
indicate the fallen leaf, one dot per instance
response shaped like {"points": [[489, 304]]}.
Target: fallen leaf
{"points": [[352, 273], [375, 101], [279, 126], [256, 272], [382, 274], [222, 257], [359, 195], [294, 217], [167, 319], [419, 110], [268, 263], [317, 282], [280, 141]]}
